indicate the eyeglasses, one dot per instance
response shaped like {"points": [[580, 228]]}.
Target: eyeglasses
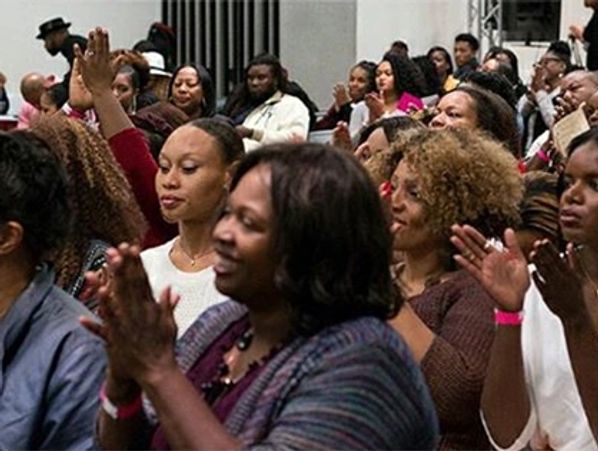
{"points": [[547, 59]]}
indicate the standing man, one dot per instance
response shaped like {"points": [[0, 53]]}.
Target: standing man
{"points": [[466, 48], [57, 39], [588, 35]]}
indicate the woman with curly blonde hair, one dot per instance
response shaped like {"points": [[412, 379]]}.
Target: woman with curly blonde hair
{"points": [[104, 209], [443, 177]]}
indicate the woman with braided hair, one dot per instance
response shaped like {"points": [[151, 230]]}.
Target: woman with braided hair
{"points": [[104, 209]]}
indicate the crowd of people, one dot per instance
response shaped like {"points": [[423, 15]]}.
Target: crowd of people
{"points": [[179, 271]]}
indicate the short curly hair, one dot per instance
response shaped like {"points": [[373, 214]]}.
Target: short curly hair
{"points": [[101, 198], [464, 177]]}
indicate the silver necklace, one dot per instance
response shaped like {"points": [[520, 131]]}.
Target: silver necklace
{"points": [[192, 258]]}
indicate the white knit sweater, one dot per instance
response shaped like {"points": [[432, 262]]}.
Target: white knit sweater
{"points": [[197, 289]]}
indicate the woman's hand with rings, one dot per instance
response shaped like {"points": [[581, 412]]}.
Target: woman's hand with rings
{"points": [[503, 273]]}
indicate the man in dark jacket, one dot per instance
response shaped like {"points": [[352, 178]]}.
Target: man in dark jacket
{"points": [[57, 39]]}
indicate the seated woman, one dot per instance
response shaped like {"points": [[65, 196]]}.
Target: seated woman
{"points": [[52, 368], [196, 166], [400, 85], [362, 80], [301, 357], [478, 109], [126, 88], [104, 210], [444, 67], [131, 83], [192, 90], [445, 177], [537, 106], [540, 390], [376, 140]]}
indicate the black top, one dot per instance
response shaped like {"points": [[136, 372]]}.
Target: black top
{"points": [[470, 66], [66, 49], [590, 35], [4, 103]]}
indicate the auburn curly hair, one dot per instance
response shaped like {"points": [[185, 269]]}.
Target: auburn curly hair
{"points": [[100, 197], [464, 177]]}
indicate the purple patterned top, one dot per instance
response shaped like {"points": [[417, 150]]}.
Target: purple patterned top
{"points": [[208, 368]]}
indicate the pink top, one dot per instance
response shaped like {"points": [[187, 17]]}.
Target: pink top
{"points": [[27, 115], [408, 102]]}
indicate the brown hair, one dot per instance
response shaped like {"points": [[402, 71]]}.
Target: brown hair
{"points": [[465, 177], [100, 197]]}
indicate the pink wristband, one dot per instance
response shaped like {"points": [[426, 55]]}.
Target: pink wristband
{"points": [[542, 156], [119, 412], [502, 318]]}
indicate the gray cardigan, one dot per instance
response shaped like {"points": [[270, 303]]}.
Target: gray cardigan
{"points": [[350, 386]]}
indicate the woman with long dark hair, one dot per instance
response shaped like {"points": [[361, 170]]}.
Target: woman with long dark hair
{"points": [[400, 86]]}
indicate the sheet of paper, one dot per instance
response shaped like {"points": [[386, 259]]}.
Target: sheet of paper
{"points": [[572, 125]]}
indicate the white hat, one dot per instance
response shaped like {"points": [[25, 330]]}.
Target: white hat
{"points": [[156, 63]]}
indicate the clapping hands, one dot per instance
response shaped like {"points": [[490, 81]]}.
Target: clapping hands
{"points": [[138, 331], [502, 272]]}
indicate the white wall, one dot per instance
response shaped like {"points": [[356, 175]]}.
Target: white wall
{"points": [[321, 39], [127, 20], [421, 23], [318, 44]]}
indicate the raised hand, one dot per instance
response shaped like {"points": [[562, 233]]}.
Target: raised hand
{"points": [[341, 96], [95, 65], [139, 332], [341, 137], [79, 96], [563, 108], [576, 31], [538, 81], [375, 105], [502, 272], [560, 281]]}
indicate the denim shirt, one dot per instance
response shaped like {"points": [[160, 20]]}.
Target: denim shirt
{"points": [[51, 369]]}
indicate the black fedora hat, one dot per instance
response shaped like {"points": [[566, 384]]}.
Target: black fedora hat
{"points": [[52, 25]]}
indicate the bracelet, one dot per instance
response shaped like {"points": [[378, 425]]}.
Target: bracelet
{"points": [[542, 156], [504, 318], [71, 112], [119, 412]]}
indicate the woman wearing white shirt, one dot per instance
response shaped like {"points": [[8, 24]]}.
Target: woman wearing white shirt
{"points": [[195, 166], [541, 388]]}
